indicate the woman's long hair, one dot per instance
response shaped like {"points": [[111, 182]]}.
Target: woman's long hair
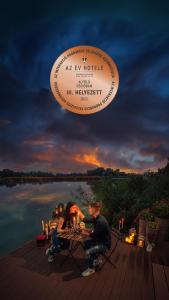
{"points": [[68, 215]]}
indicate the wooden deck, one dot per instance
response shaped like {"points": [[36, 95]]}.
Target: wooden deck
{"points": [[26, 274]]}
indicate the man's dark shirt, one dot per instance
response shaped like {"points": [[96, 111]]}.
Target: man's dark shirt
{"points": [[101, 233]]}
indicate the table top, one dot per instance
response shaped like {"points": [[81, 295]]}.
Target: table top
{"points": [[75, 236]]}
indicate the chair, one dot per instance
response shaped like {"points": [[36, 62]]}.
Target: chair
{"points": [[107, 255]]}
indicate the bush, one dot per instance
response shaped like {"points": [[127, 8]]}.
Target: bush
{"points": [[161, 209], [146, 215], [127, 197], [152, 225]]}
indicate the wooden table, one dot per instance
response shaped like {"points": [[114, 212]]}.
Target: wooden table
{"points": [[76, 240]]}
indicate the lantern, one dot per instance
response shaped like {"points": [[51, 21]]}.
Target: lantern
{"points": [[130, 238], [140, 242]]}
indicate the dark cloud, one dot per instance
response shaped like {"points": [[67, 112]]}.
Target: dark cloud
{"points": [[131, 133]]}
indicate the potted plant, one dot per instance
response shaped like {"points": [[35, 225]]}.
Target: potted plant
{"points": [[144, 216], [161, 213], [152, 231]]}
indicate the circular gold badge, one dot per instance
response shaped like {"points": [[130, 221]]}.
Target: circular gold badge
{"points": [[84, 79]]}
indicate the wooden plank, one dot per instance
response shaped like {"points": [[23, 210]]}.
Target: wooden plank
{"points": [[160, 254], [116, 279], [16, 275], [138, 279], [166, 271], [160, 283], [27, 247], [131, 279], [148, 281], [30, 281]]}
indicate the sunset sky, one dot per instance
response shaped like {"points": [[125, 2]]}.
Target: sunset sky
{"points": [[132, 133]]}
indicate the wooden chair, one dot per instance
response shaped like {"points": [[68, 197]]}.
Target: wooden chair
{"points": [[107, 255]]}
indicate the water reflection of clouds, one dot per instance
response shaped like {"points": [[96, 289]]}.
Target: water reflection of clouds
{"points": [[49, 197], [40, 193], [13, 198], [22, 208]]}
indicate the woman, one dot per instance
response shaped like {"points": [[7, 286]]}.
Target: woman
{"points": [[61, 209], [57, 213], [65, 222]]}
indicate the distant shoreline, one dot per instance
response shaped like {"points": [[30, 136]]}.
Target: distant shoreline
{"points": [[13, 181]]}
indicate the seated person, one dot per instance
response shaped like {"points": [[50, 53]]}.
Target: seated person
{"points": [[55, 213], [65, 222], [61, 209], [99, 240]]}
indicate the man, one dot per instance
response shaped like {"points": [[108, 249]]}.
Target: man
{"points": [[99, 239]]}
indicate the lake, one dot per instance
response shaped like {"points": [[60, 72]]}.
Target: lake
{"points": [[23, 207]]}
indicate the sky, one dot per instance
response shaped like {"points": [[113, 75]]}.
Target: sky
{"points": [[131, 134]]}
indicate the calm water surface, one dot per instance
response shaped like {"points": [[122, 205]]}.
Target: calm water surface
{"points": [[24, 206]]}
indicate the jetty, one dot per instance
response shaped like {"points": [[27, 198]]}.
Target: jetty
{"points": [[25, 274]]}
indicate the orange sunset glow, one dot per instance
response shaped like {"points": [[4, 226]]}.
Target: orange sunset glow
{"points": [[80, 157], [90, 158]]}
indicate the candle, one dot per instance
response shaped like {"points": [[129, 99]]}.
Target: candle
{"points": [[49, 223], [46, 230], [78, 218], [43, 227], [74, 221], [122, 222], [119, 225], [140, 243]]}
